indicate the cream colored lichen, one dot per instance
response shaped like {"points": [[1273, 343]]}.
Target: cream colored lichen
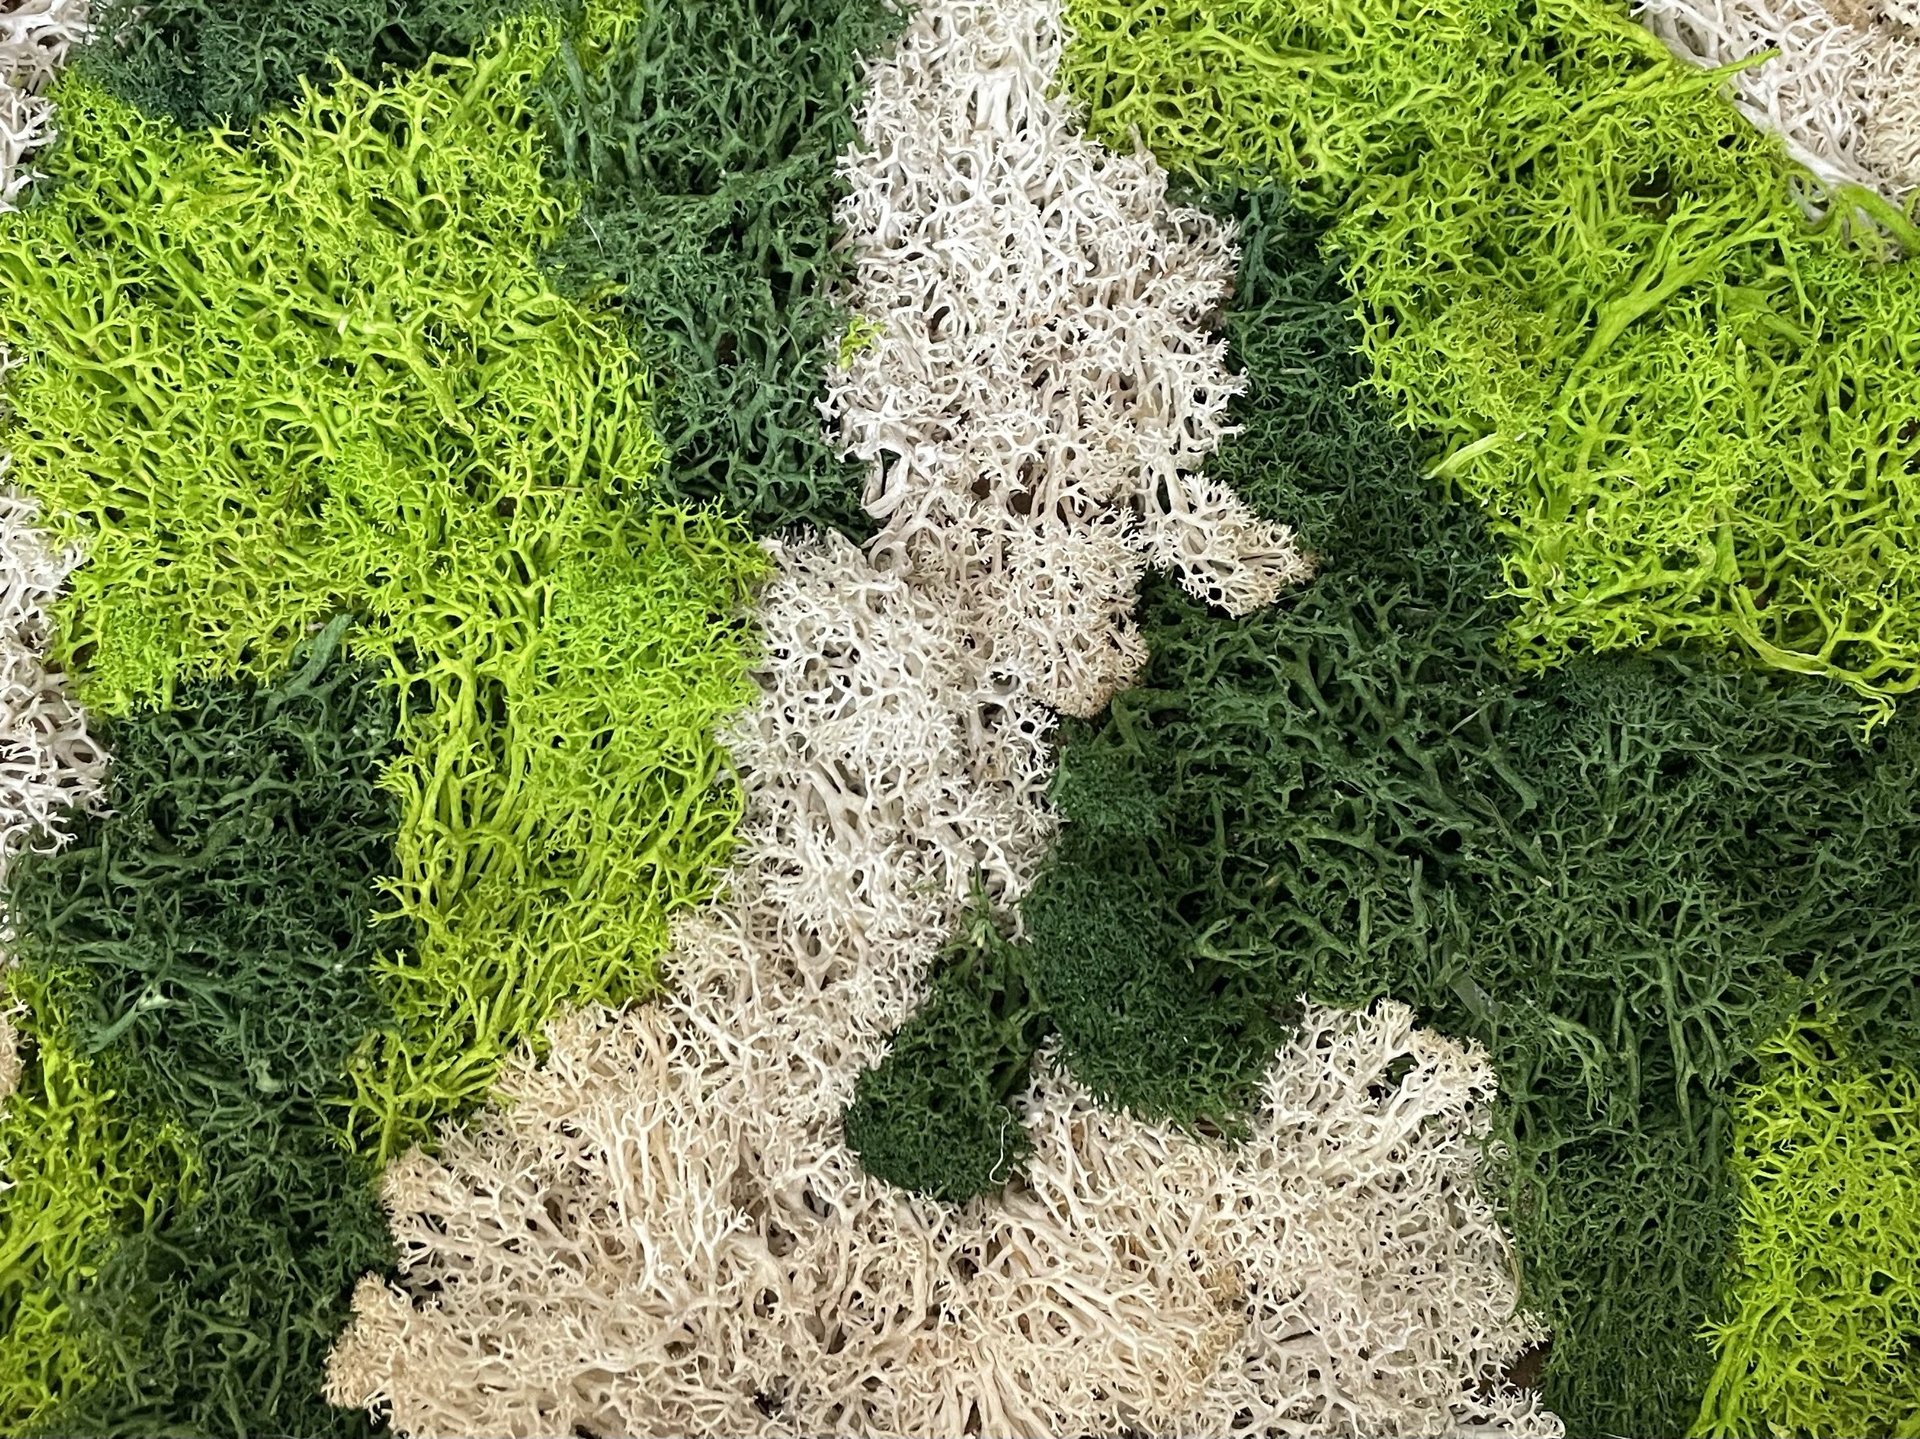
{"points": [[1041, 383], [609, 1251], [35, 36], [49, 764], [661, 1231], [1843, 93]]}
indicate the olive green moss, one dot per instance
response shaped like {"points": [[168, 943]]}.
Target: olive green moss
{"points": [[205, 64], [210, 943], [706, 138]]}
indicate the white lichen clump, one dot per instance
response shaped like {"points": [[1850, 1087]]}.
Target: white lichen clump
{"points": [[49, 765], [1843, 94], [607, 1252], [35, 36], [1038, 384], [660, 1230]]}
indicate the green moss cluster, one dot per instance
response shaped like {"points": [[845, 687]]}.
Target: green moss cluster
{"points": [[320, 368], [268, 376], [201, 63], [706, 138], [1688, 411], [1824, 1317], [199, 966], [935, 1116], [1621, 877], [82, 1166]]}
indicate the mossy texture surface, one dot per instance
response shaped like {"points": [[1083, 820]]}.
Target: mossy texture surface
{"points": [[1687, 410], [1825, 1313], [208, 948], [415, 377], [321, 368], [706, 139], [206, 65], [1621, 877]]}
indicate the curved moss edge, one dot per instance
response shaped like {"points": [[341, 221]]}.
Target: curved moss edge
{"points": [[1621, 877], [1687, 410]]}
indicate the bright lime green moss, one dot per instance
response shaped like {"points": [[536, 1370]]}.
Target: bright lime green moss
{"points": [[319, 367], [312, 367], [1826, 1277], [81, 1168], [1690, 413], [562, 796]]}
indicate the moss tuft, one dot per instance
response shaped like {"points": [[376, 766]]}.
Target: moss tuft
{"points": [[706, 139], [211, 943], [1824, 1309], [204, 64], [1621, 877]]}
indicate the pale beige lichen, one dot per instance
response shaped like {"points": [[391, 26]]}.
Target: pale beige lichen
{"points": [[50, 765], [660, 1229], [1843, 93], [1040, 383], [609, 1251], [10, 1059], [35, 37]]}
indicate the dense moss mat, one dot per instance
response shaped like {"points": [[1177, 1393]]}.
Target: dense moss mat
{"points": [[707, 139], [321, 368], [224, 64], [82, 1166], [1621, 877], [935, 1116], [1689, 412], [211, 945], [1825, 1293]]}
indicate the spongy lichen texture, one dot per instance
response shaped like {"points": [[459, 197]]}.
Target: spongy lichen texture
{"points": [[705, 137], [50, 763], [1620, 877], [319, 367], [1688, 411], [1824, 1311], [1841, 90], [936, 1117], [1034, 380], [212, 941], [1342, 1274]]}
